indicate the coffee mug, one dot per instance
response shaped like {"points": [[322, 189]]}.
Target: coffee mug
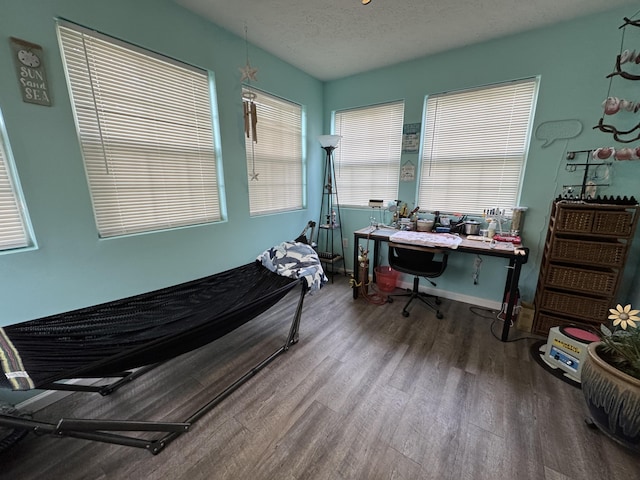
{"points": [[627, 56], [603, 153], [611, 105], [626, 105], [624, 153]]}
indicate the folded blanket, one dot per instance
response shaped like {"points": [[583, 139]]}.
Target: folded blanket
{"points": [[295, 260]]}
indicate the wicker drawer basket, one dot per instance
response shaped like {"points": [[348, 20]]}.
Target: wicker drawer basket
{"points": [[613, 223], [545, 322], [602, 282], [577, 220], [588, 308], [574, 220], [588, 253]]}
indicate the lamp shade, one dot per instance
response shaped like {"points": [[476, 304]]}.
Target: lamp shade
{"points": [[329, 140]]}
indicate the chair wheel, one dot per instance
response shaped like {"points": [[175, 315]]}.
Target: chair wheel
{"points": [[405, 313], [389, 300], [439, 315]]}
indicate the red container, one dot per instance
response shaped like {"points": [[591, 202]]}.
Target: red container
{"points": [[386, 278]]}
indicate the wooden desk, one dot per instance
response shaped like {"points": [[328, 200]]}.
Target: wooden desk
{"points": [[517, 257]]}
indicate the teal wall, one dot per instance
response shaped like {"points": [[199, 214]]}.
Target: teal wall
{"points": [[71, 267], [572, 60]]}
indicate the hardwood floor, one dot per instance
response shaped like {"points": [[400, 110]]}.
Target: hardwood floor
{"points": [[365, 394]]}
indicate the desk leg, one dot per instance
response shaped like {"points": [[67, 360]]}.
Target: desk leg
{"points": [[376, 255], [511, 288], [356, 266]]}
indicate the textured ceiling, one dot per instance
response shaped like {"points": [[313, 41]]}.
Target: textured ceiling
{"points": [[330, 39]]}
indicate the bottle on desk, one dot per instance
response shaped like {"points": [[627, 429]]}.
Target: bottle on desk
{"points": [[491, 231]]}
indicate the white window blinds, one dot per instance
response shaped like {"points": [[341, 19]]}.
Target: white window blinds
{"points": [[146, 132], [474, 147], [13, 232], [274, 161], [367, 160]]}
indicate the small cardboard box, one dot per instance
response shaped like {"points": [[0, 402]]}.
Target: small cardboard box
{"points": [[525, 317]]}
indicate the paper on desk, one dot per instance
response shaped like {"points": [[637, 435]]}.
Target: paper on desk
{"points": [[426, 239]]}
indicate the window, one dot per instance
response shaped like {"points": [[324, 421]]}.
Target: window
{"points": [[13, 223], [474, 147], [146, 132], [367, 160], [274, 162]]}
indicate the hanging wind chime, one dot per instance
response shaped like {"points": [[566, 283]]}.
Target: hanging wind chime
{"points": [[249, 111]]}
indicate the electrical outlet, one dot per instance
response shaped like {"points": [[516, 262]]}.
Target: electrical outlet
{"points": [[345, 242]]}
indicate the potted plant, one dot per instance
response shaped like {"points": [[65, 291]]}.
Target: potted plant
{"points": [[611, 378]]}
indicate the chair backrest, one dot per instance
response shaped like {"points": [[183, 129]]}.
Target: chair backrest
{"points": [[416, 260]]}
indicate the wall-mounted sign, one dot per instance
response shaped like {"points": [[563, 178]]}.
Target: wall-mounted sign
{"points": [[32, 78], [408, 172], [410, 137]]}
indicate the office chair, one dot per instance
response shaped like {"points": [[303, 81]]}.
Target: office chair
{"points": [[418, 262]]}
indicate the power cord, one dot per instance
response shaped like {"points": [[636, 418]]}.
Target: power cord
{"points": [[494, 316], [477, 310], [477, 263]]}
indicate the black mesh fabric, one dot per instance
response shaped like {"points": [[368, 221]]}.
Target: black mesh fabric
{"points": [[144, 329]]}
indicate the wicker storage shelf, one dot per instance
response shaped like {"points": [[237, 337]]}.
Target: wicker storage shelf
{"points": [[583, 260], [606, 254], [587, 308], [599, 282]]}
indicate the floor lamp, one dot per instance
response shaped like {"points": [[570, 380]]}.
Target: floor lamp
{"points": [[330, 222]]}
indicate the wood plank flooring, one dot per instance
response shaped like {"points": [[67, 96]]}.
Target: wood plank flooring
{"points": [[365, 394]]}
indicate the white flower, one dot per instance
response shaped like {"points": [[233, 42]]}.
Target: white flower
{"points": [[624, 316]]}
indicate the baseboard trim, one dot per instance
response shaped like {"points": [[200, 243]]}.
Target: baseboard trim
{"points": [[458, 297], [476, 301]]}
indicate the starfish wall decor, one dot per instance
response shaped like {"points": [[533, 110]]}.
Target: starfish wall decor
{"points": [[248, 73]]}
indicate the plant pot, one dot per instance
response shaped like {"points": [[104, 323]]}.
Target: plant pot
{"points": [[613, 398]]}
